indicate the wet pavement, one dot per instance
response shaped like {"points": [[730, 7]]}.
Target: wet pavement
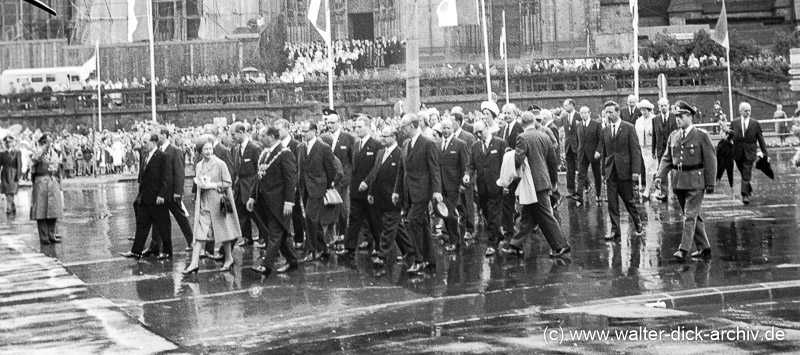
{"points": [[335, 300]]}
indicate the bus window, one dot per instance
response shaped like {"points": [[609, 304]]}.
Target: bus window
{"points": [[51, 78], [22, 80], [37, 79], [75, 78]]}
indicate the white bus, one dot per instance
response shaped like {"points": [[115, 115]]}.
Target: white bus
{"points": [[69, 77]]}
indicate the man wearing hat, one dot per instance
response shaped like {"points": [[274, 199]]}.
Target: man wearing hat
{"points": [[46, 204], [344, 146], [663, 125], [692, 155], [747, 138]]}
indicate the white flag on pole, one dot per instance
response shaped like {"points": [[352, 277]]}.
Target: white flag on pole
{"points": [[447, 13], [503, 41], [317, 14]]}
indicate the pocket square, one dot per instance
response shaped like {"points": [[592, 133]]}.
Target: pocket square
{"points": [[370, 153]]}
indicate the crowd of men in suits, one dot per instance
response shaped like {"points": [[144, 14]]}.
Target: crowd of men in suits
{"points": [[399, 186]]}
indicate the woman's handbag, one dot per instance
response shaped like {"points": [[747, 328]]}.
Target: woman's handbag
{"points": [[226, 205], [332, 197]]}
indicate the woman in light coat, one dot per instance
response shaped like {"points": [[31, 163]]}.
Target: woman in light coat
{"points": [[211, 222], [644, 130], [46, 204]]}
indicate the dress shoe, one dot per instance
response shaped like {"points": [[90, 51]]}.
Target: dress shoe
{"points": [[130, 254], [363, 246], [612, 236], [203, 254], [261, 269], [702, 254], [681, 255], [414, 268], [55, 240], [286, 268], [560, 252], [450, 248], [131, 238], [163, 256], [260, 245], [490, 251], [511, 249], [662, 197], [148, 252], [312, 256], [298, 245], [402, 258], [746, 199], [217, 257], [378, 261], [245, 242], [188, 249], [469, 236], [346, 253], [426, 266]]}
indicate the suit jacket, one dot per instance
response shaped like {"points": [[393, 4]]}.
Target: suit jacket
{"points": [[345, 149], [155, 180], [293, 144], [316, 170], [571, 132], [363, 163], [622, 152], [537, 148], [278, 183], [223, 153], [467, 137], [745, 144], [245, 170], [419, 176], [467, 127], [454, 161], [175, 163], [382, 178], [485, 164], [625, 114], [590, 137], [661, 133], [511, 138], [694, 149]]}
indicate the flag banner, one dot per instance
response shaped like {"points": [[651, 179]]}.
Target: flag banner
{"points": [[137, 20], [468, 12], [317, 14], [721, 30], [633, 4], [447, 13], [88, 67], [503, 40]]}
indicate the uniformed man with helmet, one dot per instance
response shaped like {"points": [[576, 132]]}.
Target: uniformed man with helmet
{"points": [[690, 152]]}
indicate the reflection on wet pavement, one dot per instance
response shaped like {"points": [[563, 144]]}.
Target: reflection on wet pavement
{"points": [[242, 311]]}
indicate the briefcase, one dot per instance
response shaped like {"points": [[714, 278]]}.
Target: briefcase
{"points": [[332, 197]]}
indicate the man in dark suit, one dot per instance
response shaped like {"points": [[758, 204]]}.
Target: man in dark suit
{"points": [[536, 148], [297, 212], [272, 198], [467, 206], [245, 171], [155, 189], [316, 173], [220, 151], [549, 123], [380, 183], [620, 148], [572, 126], [175, 162], [454, 161], [747, 137], [418, 180], [361, 212], [663, 125], [631, 113], [509, 134], [460, 117], [591, 135], [343, 146], [486, 157]]}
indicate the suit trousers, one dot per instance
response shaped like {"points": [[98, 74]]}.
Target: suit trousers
{"points": [[362, 214], [694, 229], [466, 208], [47, 229], [393, 231], [315, 241], [540, 214], [277, 237], [175, 208], [344, 209], [491, 206], [451, 224], [297, 219], [583, 176], [420, 228], [157, 218], [623, 189], [509, 212], [572, 159], [746, 169], [245, 220]]}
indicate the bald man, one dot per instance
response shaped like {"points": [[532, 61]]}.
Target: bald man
{"points": [[631, 113], [747, 137]]}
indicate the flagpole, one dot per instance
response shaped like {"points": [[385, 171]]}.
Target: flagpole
{"points": [[505, 54], [728, 58], [97, 71], [330, 53], [152, 59], [635, 58], [486, 50]]}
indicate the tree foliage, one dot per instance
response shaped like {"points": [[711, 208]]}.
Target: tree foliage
{"points": [[700, 45], [784, 41], [272, 47]]}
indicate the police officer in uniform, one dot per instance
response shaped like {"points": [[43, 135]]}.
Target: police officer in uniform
{"points": [[690, 152]]}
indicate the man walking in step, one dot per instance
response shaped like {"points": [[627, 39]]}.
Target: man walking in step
{"points": [[419, 179], [620, 149], [486, 158], [663, 125], [174, 162], [272, 198], [316, 175], [591, 135], [747, 138], [343, 146], [154, 192], [297, 211], [691, 153], [454, 161], [245, 171], [512, 130], [536, 148], [631, 113], [466, 207], [380, 183], [362, 214], [571, 143]]}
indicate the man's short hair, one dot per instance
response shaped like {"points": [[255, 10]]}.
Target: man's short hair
{"points": [[238, 127], [312, 126], [365, 119], [611, 103], [164, 131], [282, 122], [570, 101], [411, 119], [527, 118], [271, 131]]}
